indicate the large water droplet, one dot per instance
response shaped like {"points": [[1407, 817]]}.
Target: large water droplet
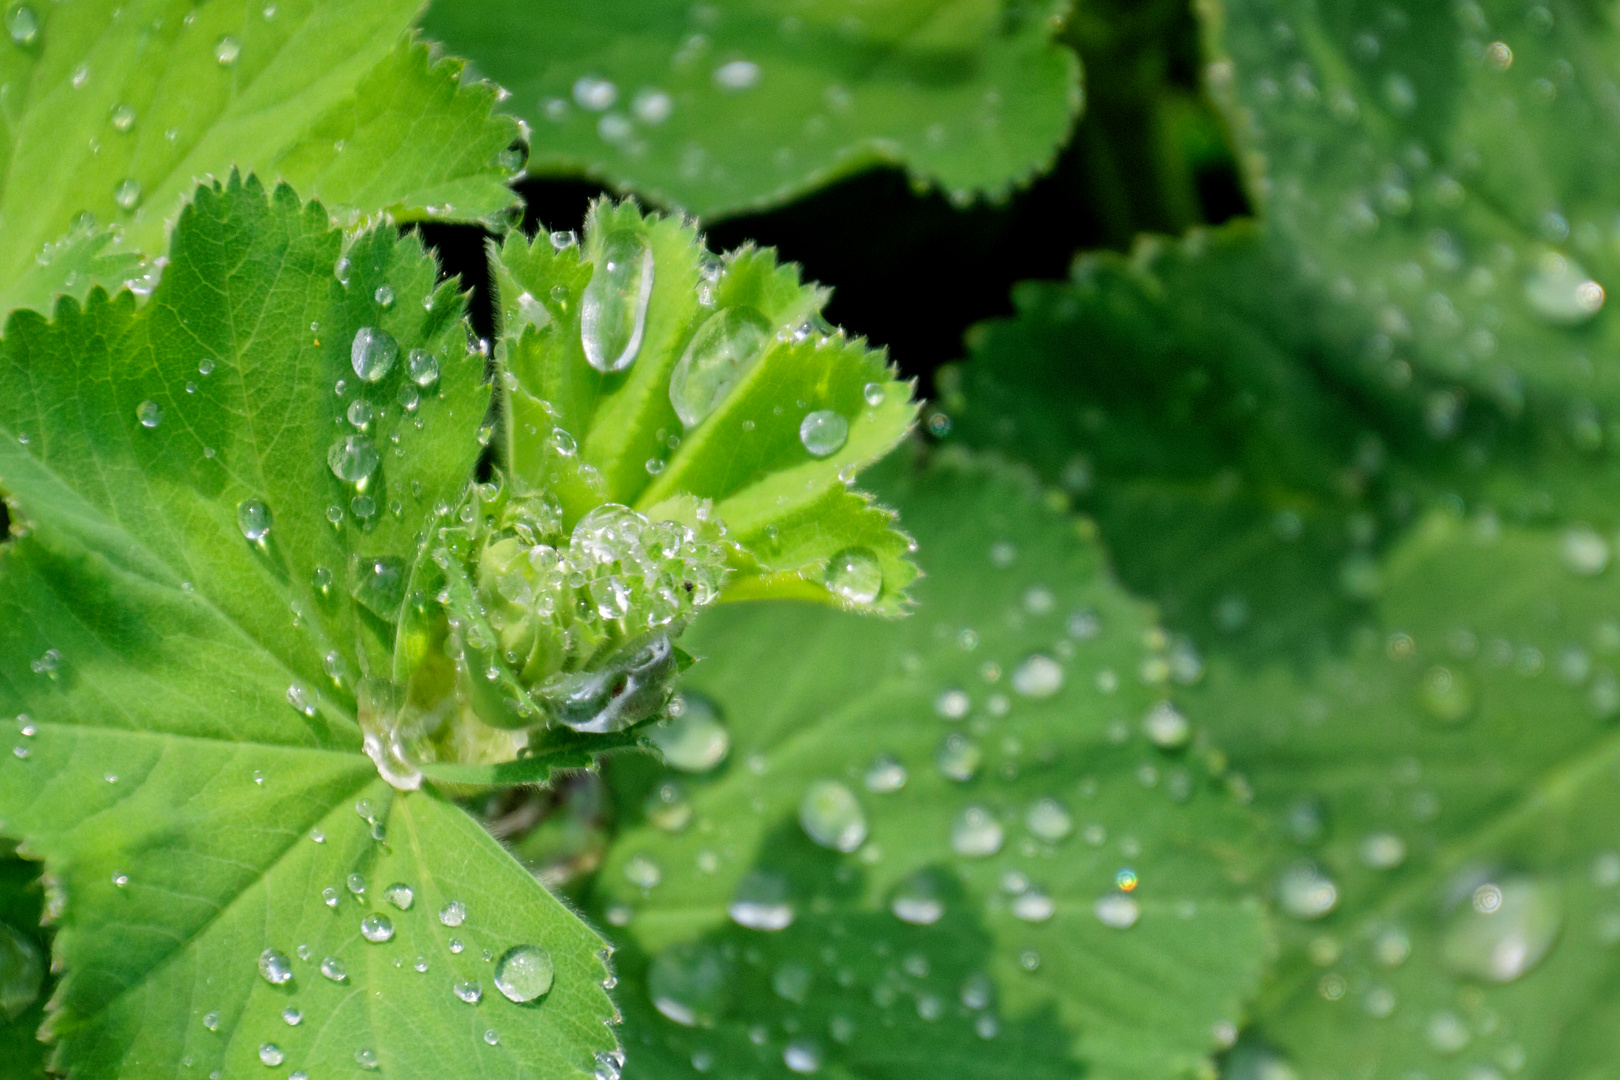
{"points": [[353, 458], [918, 900], [855, 575], [372, 353], [22, 23], [687, 983], [377, 928], [723, 348], [400, 895], [276, 968], [1560, 291], [524, 973], [695, 740], [1502, 929], [976, 834], [832, 816], [613, 311], [823, 432], [149, 413], [271, 1054], [762, 901], [253, 517], [453, 914], [333, 969], [423, 367]]}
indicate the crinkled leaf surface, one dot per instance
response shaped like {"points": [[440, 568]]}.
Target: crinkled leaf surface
{"points": [[1024, 676], [115, 109], [592, 436], [732, 105], [1448, 167], [188, 813], [1452, 773]]}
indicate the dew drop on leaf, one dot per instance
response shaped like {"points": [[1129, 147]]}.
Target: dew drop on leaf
{"points": [[123, 118], [227, 50], [693, 740], [1117, 911], [855, 575], [722, 350], [149, 413], [384, 297], [885, 775], [275, 967], [360, 412], [831, 815], [453, 914], [524, 973], [372, 353], [1559, 290], [762, 901], [737, 75], [22, 24], [823, 432], [353, 458], [1033, 906], [1048, 820], [422, 367], [976, 834], [333, 969], [127, 194], [377, 928], [302, 698], [959, 758], [918, 900], [291, 1016], [271, 1054], [1305, 892], [211, 1021], [802, 1056], [467, 990], [1584, 552], [400, 895], [687, 983], [1502, 929], [366, 1059], [1038, 677], [1383, 851], [1166, 727], [613, 311], [254, 518]]}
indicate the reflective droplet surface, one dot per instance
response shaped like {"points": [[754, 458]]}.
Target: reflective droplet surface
{"points": [[802, 1056], [613, 311], [831, 815], [823, 432], [1166, 727], [885, 775], [1048, 820], [276, 968], [333, 969], [695, 740], [377, 928], [1305, 892], [253, 517], [372, 353], [227, 50], [353, 458], [687, 983], [22, 24], [149, 414], [1033, 906], [1560, 291], [524, 973], [1502, 929], [1038, 677], [855, 575], [918, 900], [467, 990], [453, 914], [976, 834], [400, 895], [721, 351], [423, 368], [762, 901], [127, 194], [271, 1054], [1117, 911]]}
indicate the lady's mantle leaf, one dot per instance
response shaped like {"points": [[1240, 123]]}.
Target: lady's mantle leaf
{"points": [[218, 498]]}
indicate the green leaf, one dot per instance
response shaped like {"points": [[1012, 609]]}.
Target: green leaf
{"points": [[115, 109], [1450, 169], [24, 955], [982, 768], [190, 601], [1451, 773], [730, 106], [713, 419]]}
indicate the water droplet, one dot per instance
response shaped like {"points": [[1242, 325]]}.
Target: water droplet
{"points": [[594, 93], [918, 900], [271, 1054], [149, 413], [400, 895], [952, 703], [1503, 930], [211, 1021], [976, 834], [360, 412], [1448, 1034], [123, 118], [737, 75], [1048, 820], [353, 458], [1446, 695], [276, 968], [372, 353], [333, 969], [1117, 911], [613, 311], [695, 740], [1305, 892], [127, 194], [761, 901], [1038, 677], [958, 758], [1584, 551], [357, 881], [1166, 727], [227, 50], [253, 517], [291, 1016], [468, 990], [329, 895], [832, 816], [302, 698], [724, 347], [823, 432], [491, 1037], [524, 973], [453, 914], [885, 775], [855, 575], [874, 393], [1383, 851], [422, 367], [120, 879], [377, 928], [384, 297], [1560, 291], [802, 1056], [1033, 906], [366, 1059], [22, 23], [687, 983]]}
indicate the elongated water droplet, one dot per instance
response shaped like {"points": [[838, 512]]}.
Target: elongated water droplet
{"points": [[149, 413], [22, 23], [831, 816], [253, 517], [127, 194], [823, 432], [353, 458], [1560, 291], [613, 311], [1033, 906], [855, 575], [1502, 929], [721, 351], [524, 973], [227, 50], [372, 353], [276, 968]]}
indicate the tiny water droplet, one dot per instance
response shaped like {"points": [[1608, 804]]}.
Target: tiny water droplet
{"points": [[1048, 820], [1305, 892], [1117, 911], [976, 834], [123, 118], [127, 194], [422, 367], [1039, 676], [333, 969], [467, 990], [291, 1016], [885, 775], [918, 900], [761, 902], [384, 296]]}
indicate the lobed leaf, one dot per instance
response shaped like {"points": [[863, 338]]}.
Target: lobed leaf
{"points": [[726, 107], [923, 852], [218, 497]]}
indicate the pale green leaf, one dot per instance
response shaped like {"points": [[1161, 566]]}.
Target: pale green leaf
{"points": [[114, 109], [186, 751], [730, 106], [1027, 675]]}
